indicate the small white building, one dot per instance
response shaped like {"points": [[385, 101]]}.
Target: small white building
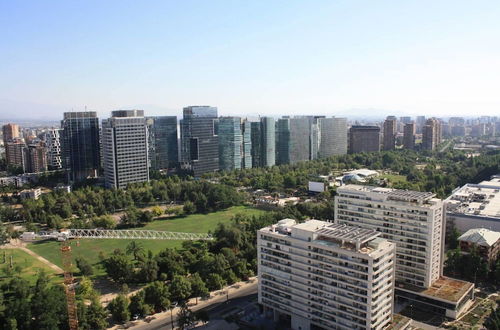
{"points": [[474, 206], [28, 236], [30, 193]]}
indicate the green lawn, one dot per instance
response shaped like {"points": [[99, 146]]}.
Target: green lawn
{"points": [[200, 223], [394, 178], [90, 248], [28, 265]]}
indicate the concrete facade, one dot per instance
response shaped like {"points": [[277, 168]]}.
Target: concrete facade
{"points": [[326, 275]]}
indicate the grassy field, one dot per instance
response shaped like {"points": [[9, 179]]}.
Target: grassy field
{"points": [[91, 248], [394, 178], [28, 265]]}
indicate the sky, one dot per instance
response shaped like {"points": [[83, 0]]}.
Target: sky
{"points": [[345, 58]]}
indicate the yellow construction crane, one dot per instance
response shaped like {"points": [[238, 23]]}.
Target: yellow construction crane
{"points": [[69, 285]]}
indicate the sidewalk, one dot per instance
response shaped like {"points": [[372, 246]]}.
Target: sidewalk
{"points": [[215, 297]]}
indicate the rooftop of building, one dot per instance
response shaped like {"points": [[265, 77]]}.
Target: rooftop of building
{"points": [[481, 199], [445, 288], [330, 234], [480, 236], [391, 193], [363, 172]]}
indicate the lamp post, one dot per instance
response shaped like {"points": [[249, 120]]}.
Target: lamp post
{"points": [[172, 306]]}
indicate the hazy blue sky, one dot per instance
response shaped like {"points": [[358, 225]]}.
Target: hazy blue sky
{"points": [[349, 57]]}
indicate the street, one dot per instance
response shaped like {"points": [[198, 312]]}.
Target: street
{"points": [[215, 306]]}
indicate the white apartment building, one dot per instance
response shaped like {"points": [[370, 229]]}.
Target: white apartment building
{"points": [[125, 148], [53, 145], [414, 221], [326, 276]]}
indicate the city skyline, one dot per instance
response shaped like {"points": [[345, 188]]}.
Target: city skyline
{"points": [[340, 59]]}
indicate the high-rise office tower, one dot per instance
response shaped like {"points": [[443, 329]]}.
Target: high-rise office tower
{"points": [[162, 142], [256, 137], [314, 139], [230, 143], [326, 276], [80, 144], [15, 154], [10, 132], [125, 148], [246, 153], [405, 120], [364, 139], [268, 141], [264, 143], [283, 141], [293, 140], [431, 134], [53, 144], [420, 122], [36, 158], [199, 140], [409, 136], [390, 130], [300, 139], [333, 137]]}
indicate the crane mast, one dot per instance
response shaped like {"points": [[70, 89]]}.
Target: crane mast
{"points": [[69, 285]]}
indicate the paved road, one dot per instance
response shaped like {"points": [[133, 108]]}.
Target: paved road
{"points": [[216, 306], [446, 146]]}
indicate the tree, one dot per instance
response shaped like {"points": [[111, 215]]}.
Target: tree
{"points": [[119, 267], [496, 273], [17, 305], [118, 308], [215, 282], [84, 266], [170, 263], [146, 217], [185, 318], [85, 288], [148, 268], [452, 238], [93, 316], [493, 321], [135, 249], [180, 289], [189, 207], [131, 217], [48, 305], [156, 211], [4, 235], [157, 295], [138, 306], [198, 287], [104, 222]]}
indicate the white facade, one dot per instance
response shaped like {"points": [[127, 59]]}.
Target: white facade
{"points": [[413, 220], [53, 145], [125, 148], [327, 275]]}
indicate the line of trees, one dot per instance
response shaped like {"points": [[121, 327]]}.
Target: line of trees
{"points": [[442, 172], [91, 202], [43, 305]]}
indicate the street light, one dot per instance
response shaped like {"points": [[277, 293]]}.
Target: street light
{"points": [[172, 306]]}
